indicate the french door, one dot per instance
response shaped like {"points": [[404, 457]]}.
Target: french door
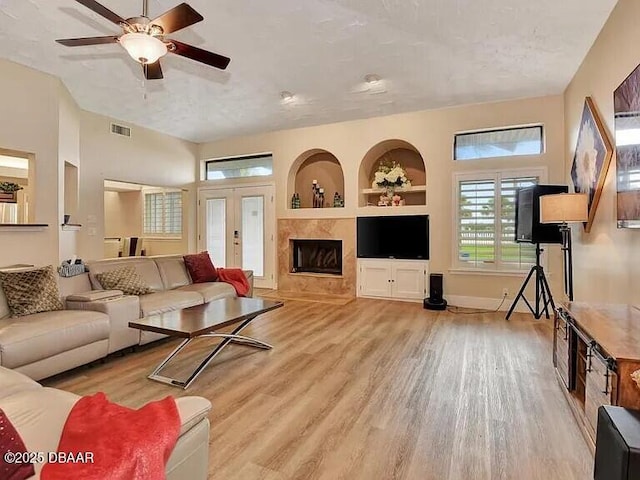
{"points": [[237, 229]]}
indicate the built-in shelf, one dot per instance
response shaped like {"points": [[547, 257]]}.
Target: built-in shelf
{"points": [[373, 210], [23, 227], [71, 227], [388, 152], [338, 212], [379, 191], [319, 165]]}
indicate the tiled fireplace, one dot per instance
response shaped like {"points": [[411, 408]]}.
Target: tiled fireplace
{"points": [[317, 256]]}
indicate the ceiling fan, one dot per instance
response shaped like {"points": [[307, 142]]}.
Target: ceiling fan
{"points": [[144, 39]]}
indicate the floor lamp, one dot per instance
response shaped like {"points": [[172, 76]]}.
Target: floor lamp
{"points": [[565, 208]]}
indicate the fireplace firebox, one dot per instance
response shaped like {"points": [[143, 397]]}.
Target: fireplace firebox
{"points": [[317, 256]]}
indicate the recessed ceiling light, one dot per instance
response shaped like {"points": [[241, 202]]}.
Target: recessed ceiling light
{"points": [[372, 78], [287, 97]]}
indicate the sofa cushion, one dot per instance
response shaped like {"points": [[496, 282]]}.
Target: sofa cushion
{"points": [[12, 382], [144, 266], [210, 290], [42, 335], [39, 417], [172, 271], [10, 442], [200, 267], [124, 279], [161, 302], [31, 291]]}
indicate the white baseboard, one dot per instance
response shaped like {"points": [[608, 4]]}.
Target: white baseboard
{"points": [[485, 303]]}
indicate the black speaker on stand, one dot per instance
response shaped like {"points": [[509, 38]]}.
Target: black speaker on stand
{"points": [[530, 230], [436, 300]]}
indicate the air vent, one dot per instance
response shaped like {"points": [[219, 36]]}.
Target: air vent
{"points": [[120, 130]]}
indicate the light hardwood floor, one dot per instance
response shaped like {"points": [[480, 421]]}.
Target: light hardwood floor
{"points": [[373, 390]]}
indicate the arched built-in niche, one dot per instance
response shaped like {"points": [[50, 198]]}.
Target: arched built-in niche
{"points": [[408, 157], [320, 165]]}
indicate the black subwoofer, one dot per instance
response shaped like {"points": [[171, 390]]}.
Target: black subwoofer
{"points": [[436, 300], [617, 444]]}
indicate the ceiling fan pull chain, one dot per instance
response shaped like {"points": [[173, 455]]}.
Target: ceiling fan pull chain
{"points": [[144, 88]]}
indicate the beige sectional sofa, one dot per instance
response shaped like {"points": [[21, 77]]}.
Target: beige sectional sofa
{"points": [[45, 344], [39, 413]]}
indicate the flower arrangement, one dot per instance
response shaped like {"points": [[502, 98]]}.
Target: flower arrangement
{"points": [[9, 187], [390, 176]]}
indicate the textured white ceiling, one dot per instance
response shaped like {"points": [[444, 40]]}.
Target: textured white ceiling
{"points": [[431, 53]]}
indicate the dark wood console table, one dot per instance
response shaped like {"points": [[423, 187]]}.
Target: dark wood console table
{"points": [[595, 350]]}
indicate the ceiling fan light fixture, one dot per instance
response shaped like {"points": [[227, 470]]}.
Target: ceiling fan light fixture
{"points": [[143, 48]]}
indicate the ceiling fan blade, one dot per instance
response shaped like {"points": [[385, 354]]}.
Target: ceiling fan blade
{"points": [[153, 71], [199, 55], [103, 11], [80, 42], [177, 18]]}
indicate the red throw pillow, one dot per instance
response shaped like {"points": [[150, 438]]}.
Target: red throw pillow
{"points": [[11, 467], [201, 268]]}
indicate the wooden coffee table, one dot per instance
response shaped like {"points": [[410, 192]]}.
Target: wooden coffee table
{"points": [[203, 321]]}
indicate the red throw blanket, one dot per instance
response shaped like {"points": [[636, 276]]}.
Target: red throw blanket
{"points": [[125, 444], [236, 278]]}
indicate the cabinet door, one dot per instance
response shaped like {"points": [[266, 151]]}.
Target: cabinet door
{"points": [[561, 357], [600, 390], [408, 280], [375, 279]]}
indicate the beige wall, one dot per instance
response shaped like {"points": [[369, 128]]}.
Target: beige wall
{"points": [[123, 218], [147, 157], [122, 214], [29, 123], [606, 260], [431, 132], [40, 117], [69, 152]]}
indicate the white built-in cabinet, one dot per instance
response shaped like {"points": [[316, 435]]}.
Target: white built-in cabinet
{"points": [[390, 278]]}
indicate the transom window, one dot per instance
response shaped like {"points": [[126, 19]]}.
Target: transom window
{"points": [[238, 167], [485, 220], [163, 213], [502, 142]]}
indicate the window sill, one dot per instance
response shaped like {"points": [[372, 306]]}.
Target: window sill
{"points": [[488, 272]]}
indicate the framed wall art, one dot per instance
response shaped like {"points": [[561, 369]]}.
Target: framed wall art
{"points": [[592, 158], [626, 101]]}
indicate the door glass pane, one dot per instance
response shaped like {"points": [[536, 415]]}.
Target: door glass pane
{"points": [[216, 230], [253, 235]]}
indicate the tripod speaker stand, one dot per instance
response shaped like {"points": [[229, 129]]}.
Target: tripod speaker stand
{"points": [[543, 292]]}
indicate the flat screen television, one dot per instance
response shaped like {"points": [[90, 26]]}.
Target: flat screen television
{"points": [[402, 237]]}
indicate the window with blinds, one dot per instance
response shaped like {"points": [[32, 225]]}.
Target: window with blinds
{"points": [[503, 142], [486, 223], [163, 214]]}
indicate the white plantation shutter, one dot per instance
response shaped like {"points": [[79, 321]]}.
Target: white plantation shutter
{"points": [[173, 213], [477, 218], [486, 223], [153, 209], [163, 214]]}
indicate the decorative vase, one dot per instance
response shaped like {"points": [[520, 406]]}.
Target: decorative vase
{"points": [[390, 191]]}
